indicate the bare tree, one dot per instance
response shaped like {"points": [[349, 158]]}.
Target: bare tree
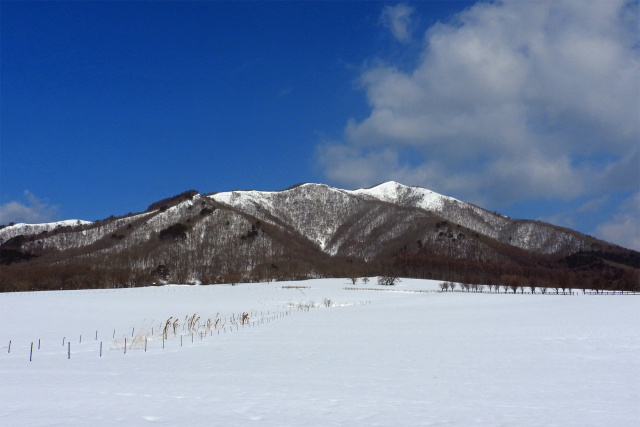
{"points": [[233, 277], [388, 280], [444, 286]]}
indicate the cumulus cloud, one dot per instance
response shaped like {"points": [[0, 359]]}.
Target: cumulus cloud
{"points": [[33, 212], [398, 19], [513, 100], [624, 227]]}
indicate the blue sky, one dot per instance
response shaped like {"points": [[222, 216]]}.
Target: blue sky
{"points": [[527, 108]]}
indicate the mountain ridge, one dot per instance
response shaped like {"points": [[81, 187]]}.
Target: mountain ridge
{"points": [[307, 230]]}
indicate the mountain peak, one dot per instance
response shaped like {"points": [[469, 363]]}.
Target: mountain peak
{"points": [[394, 192], [388, 191]]}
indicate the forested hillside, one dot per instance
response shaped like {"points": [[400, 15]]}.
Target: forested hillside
{"points": [[308, 231]]}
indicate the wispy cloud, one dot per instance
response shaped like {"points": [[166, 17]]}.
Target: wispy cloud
{"points": [[285, 91], [513, 100], [398, 19], [32, 212], [624, 226], [593, 205]]}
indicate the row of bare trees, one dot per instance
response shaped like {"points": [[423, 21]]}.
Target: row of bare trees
{"points": [[505, 288]]}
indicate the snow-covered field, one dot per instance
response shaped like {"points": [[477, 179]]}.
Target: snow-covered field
{"points": [[373, 358]]}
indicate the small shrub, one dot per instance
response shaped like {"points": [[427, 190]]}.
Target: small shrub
{"points": [[167, 325], [388, 280], [192, 322], [245, 319]]}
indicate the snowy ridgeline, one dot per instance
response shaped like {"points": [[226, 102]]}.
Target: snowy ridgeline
{"points": [[362, 224], [14, 230], [318, 352]]}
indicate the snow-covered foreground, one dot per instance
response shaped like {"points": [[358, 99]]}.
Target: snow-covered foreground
{"points": [[374, 358]]}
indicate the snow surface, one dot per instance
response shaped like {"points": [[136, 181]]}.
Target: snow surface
{"points": [[22, 228], [394, 192], [391, 192], [243, 199], [386, 357]]}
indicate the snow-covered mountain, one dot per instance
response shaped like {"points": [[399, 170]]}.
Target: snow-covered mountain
{"points": [[30, 229], [306, 228], [318, 212]]}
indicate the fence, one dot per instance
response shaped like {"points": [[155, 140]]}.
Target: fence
{"points": [[611, 293], [153, 338]]}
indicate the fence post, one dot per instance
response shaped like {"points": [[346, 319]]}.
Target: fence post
{"points": [[68, 349], [31, 352]]}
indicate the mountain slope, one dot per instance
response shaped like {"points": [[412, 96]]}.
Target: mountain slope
{"points": [[313, 209], [306, 230]]}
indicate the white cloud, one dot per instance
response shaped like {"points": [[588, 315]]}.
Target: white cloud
{"points": [[514, 100], [398, 19], [33, 212], [354, 167], [624, 227], [594, 205]]}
